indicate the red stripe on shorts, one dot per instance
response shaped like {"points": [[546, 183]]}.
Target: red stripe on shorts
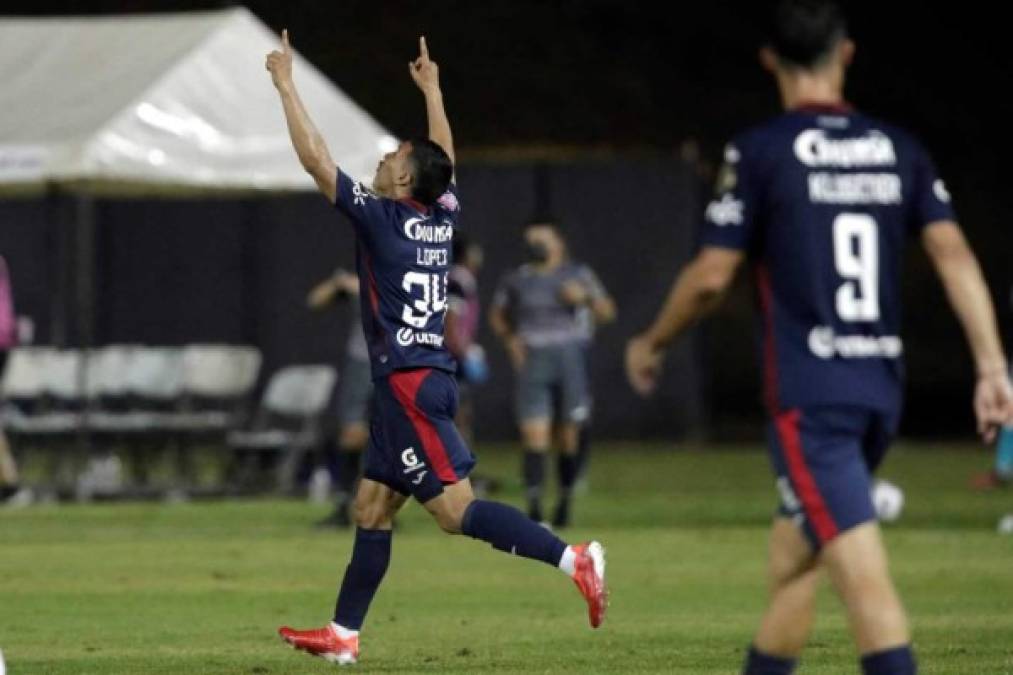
{"points": [[805, 484], [406, 384]]}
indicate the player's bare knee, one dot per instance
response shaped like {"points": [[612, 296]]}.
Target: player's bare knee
{"points": [[789, 556], [449, 513], [449, 523], [371, 514]]}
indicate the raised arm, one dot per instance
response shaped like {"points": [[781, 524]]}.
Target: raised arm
{"points": [[965, 287], [426, 74], [308, 143]]}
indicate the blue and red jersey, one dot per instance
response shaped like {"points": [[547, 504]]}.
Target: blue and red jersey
{"points": [[822, 200], [403, 255]]}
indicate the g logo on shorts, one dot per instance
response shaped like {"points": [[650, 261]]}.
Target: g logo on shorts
{"points": [[410, 460]]}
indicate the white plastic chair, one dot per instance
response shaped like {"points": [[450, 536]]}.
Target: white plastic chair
{"points": [[61, 374], [220, 371], [221, 374], [37, 372], [300, 391], [299, 394], [109, 371], [153, 376], [22, 378], [156, 373]]}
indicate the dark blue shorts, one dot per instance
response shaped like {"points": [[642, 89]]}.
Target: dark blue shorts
{"points": [[414, 447], [824, 459]]}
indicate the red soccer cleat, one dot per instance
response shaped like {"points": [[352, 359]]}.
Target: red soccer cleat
{"points": [[589, 575], [323, 642]]}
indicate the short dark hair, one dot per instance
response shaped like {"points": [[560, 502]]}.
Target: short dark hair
{"points": [[804, 31], [433, 170], [544, 220]]}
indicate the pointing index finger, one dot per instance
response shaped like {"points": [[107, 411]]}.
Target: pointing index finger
{"points": [[423, 49], [284, 40]]}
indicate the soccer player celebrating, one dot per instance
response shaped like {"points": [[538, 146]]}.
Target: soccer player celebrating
{"points": [[820, 200], [403, 230]]}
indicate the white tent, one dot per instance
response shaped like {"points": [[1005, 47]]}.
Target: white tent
{"points": [[165, 99]]}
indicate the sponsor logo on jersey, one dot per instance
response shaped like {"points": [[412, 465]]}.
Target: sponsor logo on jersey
{"points": [[814, 148], [824, 343], [732, 154], [855, 188], [449, 201], [420, 229], [728, 178], [406, 337], [942, 194], [725, 211], [360, 194]]}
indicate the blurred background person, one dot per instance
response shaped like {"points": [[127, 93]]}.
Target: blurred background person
{"points": [[463, 315], [11, 491], [1001, 474], [536, 314], [464, 312], [355, 391], [589, 327]]}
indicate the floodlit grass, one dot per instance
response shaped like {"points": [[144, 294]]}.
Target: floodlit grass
{"points": [[201, 588]]}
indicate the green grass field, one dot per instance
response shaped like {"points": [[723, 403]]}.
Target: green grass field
{"points": [[201, 588]]}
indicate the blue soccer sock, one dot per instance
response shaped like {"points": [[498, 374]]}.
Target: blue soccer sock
{"points": [[509, 530], [370, 558], [896, 661], [1004, 454], [758, 663]]}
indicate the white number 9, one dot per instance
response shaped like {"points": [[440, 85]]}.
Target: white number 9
{"points": [[856, 256]]}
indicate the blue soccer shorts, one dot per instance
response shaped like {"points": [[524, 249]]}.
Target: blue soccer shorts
{"points": [[824, 458], [414, 447]]}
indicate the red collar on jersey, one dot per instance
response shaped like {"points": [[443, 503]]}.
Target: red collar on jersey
{"points": [[418, 206], [841, 108]]}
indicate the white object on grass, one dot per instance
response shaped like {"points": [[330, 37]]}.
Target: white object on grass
{"points": [[1006, 524], [888, 499]]}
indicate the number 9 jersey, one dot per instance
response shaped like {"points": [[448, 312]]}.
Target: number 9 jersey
{"points": [[403, 255], [822, 199]]}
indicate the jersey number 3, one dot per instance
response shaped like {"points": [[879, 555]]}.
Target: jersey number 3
{"points": [[433, 300], [856, 256]]}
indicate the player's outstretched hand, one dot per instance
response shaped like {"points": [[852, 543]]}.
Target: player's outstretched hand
{"points": [[279, 63], [993, 403], [424, 71], [643, 365]]}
